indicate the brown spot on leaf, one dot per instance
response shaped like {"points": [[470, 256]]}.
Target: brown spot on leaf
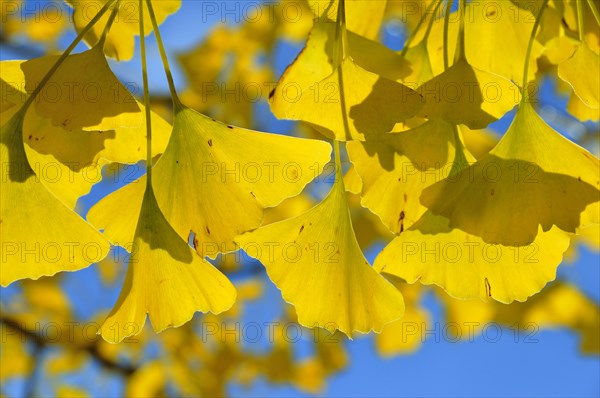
{"points": [[207, 230], [271, 93], [405, 197], [301, 229], [230, 126], [488, 288], [209, 142], [492, 192], [401, 220]]}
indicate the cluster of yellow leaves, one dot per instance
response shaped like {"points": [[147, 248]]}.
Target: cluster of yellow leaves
{"points": [[419, 177], [497, 236]]}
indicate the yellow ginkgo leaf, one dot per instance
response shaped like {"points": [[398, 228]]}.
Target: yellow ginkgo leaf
{"points": [[166, 280], [117, 139], [352, 181], [496, 37], [315, 260], [312, 88], [478, 142], [70, 162], [214, 180], [120, 39], [396, 167], [420, 65], [468, 267], [522, 184], [83, 92], [466, 95], [580, 110], [369, 103], [497, 33], [363, 17], [315, 61], [580, 71], [34, 245]]}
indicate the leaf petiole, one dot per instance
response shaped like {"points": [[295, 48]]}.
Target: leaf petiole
{"points": [[446, 28], [109, 24], [525, 94], [411, 38], [146, 99], [163, 55]]}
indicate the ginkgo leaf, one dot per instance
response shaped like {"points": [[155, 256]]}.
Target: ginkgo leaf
{"points": [[466, 95], [497, 34], [580, 71], [420, 65], [315, 260], [34, 245], [580, 110], [70, 162], [558, 45], [352, 180], [165, 280], [396, 167], [312, 88], [522, 184], [120, 138], [315, 61], [363, 17], [468, 267], [369, 102], [82, 94], [214, 180], [496, 38], [120, 39]]}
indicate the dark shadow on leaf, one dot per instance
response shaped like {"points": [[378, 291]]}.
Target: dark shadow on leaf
{"points": [[420, 145], [505, 201], [387, 104], [154, 229], [455, 95], [81, 93]]}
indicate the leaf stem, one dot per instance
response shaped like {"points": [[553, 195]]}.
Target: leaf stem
{"points": [[339, 55], [460, 46], [109, 24], [411, 38], [64, 56], [525, 94], [430, 25], [146, 99], [594, 11], [580, 20], [341, 36], [446, 27], [163, 55], [339, 175]]}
